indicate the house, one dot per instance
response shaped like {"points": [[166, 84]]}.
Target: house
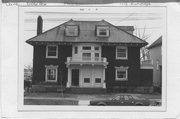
{"points": [[89, 55], [155, 50]]}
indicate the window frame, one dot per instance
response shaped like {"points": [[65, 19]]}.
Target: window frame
{"points": [[46, 73], [98, 28], [124, 47], [88, 79], [69, 35], [48, 50], [122, 69]]}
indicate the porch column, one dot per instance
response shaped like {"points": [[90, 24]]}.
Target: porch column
{"points": [[69, 78], [104, 83]]}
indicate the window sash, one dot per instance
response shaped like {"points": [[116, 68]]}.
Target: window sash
{"points": [[103, 31], [51, 74], [121, 52], [51, 51], [121, 74], [86, 47]]}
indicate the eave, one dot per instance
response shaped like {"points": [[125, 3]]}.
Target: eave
{"points": [[71, 43]]}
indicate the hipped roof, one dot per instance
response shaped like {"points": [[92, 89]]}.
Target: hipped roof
{"points": [[87, 34]]}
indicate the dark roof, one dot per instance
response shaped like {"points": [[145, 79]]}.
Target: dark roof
{"points": [[87, 34], [156, 43]]}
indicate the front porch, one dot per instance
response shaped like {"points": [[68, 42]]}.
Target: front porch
{"points": [[86, 76]]}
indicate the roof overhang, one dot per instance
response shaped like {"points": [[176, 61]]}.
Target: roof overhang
{"points": [[71, 43]]}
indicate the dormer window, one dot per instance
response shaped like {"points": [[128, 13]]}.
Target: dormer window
{"points": [[71, 30], [102, 31]]}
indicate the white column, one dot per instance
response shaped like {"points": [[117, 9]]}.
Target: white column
{"points": [[92, 76], [104, 83], [69, 78]]}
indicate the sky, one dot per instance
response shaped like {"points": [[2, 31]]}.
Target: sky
{"points": [[152, 19]]}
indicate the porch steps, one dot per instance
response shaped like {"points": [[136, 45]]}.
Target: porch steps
{"points": [[76, 90]]}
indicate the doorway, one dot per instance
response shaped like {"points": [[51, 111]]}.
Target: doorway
{"points": [[75, 77]]}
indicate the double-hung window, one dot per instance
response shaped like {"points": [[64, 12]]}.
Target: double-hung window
{"points": [[122, 73], [121, 52], [52, 51], [51, 73]]}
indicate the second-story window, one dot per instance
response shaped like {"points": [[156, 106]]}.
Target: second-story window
{"points": [[71, 30], [86, 47], [102, 31], [86, 56], [51, 51], [121, 52]]}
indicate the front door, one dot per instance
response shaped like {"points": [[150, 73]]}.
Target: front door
{"points": [[75, 77]]}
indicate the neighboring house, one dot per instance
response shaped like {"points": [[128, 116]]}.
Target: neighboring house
{"points": [[89, 54], [155, 50]]}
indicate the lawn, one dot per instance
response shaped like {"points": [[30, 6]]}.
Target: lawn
{"points": [[49, 102]]}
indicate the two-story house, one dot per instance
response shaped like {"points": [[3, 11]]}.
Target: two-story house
{"points": [[89, 54]]}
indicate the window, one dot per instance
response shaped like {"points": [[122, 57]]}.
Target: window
{"points": [[103, 31], [97, 80], [86, 47], [96, 56], [52, 51], [86, 80], [51, 73], [121, 73], [121, 52], [86, 56], [75, 50], [71, 30], [96, 48]]}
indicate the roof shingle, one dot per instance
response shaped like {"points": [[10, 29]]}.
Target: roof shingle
{"points": [[87, 34]]}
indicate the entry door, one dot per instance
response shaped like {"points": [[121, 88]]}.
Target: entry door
{"points": [[75, 77]]}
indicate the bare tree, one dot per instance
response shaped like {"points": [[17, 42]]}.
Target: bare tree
{"points": [[144, 36]]}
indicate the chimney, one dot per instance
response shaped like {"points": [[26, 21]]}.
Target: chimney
{"points": [[39, 25]]}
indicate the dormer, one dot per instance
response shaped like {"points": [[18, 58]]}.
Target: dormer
{"points": [[102, 31], [71, 30]]}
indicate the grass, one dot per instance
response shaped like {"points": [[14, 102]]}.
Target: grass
{"points": [[49, 102]]}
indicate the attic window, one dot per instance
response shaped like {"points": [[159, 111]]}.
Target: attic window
{"points": [[102, 31], [71, 30]]}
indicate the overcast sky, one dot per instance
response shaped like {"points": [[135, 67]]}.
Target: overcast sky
{"points": [[151, 18]]}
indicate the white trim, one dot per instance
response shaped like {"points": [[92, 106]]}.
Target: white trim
{"points": [[146, 67], [56, 51], [122, 69], [104, 28], [124, 58], [51, 67]]}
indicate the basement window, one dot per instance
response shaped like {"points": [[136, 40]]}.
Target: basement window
{"points": [[71, 30], [52, 51], [102, 31]]}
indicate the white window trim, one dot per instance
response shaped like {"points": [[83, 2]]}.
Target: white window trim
{"points": [[122, 69], [51, 56], [51, 67], [101, 27], [123, 58]]}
